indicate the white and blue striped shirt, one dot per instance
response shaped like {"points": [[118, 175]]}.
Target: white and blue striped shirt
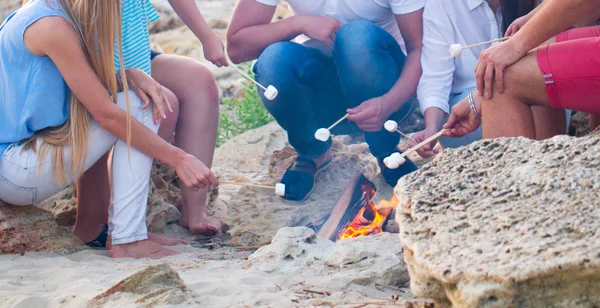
{"points": [[135, 37]]}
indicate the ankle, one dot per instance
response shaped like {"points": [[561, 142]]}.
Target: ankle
{"points": [[87, 232], [320, 160]]}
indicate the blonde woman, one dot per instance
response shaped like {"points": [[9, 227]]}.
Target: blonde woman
{"points": [[61, 113]]}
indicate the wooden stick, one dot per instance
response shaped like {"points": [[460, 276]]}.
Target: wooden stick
{"points": [[423, 143], [245, 75], [483, 43], [247, 184], [338, 122], [404, 135]]}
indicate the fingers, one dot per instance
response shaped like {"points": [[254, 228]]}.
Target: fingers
{"points": [[157, 99], [166, 100], [142, 95], [500, 79], [479, 73], [488, 80]]}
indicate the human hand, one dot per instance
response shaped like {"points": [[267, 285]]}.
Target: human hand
{"points": [[491, 65], [214, 51], [516, 25], [371, 115], [194, 174], [462, 120], [320, 28], [427, 150], [149, 91]]}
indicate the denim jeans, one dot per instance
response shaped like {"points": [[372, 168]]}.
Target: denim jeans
{"points": [[23, 181], [315, 90]]}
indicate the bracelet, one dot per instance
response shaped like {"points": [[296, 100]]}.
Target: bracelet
{"points": [[472, 105]]}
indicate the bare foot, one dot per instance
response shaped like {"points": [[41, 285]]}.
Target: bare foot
{"points": [[205, 226], [161, 240], [141, 249]]}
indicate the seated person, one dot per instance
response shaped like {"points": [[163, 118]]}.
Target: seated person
{"points": [[519, 79], [447, 80], [62, 115], [353, 63]]}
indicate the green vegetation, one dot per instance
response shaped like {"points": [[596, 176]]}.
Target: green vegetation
{"points": [[244, 114]]}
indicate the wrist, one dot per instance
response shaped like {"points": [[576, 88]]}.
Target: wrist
{"points": [[298, 24], [174, 157]]}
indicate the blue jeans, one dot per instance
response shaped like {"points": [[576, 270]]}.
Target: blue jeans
{"points": [[315, 90]]}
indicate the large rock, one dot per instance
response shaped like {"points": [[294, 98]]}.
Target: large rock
{"points": [[364, 260], [506, 223], [28, 228]]}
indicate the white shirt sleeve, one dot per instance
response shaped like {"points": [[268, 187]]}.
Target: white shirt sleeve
{"points": [[406, 6], [269, 2], [437, 63]]}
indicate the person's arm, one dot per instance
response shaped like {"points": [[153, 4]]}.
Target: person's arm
{"points": [[54, 37], [489, 72], [213, 47], [411, 27], [251, 31], [438, 73]]}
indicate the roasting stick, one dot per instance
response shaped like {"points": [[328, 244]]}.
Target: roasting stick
{"points": [[490, 41], [279, 188], [395, 160], [323, 134], [392, 126], [270, 91], [423, 143], [456, 49]]}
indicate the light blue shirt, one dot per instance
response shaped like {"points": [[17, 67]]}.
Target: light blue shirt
{"points": [[33, 94]]}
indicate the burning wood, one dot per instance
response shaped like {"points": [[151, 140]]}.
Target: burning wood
{"points": [[354, 214]]}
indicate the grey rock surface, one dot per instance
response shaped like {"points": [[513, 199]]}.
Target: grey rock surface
{"points": [[506, 223]]}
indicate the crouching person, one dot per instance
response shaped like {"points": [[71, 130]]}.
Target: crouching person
{"points": [[62, 113]]}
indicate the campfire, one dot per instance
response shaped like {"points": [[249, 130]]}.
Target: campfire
{"points": [[355, 214]]}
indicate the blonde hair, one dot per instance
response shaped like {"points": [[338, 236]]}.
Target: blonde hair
{"points": [[98, 25]]}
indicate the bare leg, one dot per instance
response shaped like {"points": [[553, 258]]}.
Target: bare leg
{"points": [[523, 109], [196, 129], [93, 199]]}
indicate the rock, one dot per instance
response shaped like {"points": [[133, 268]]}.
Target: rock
{"points": [[155, 286], [62, 206], [364, 260], [28, 228], [505, 223], [580, 125], [7, 7]]}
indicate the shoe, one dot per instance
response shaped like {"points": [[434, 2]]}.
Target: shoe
{"points": [[391, 176], [299, 179]]}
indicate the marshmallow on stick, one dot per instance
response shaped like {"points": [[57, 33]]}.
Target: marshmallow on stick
{"points": [[323, 134], [400, 159], [392, 126], [456, 49], [270, 91], [279, 188]]}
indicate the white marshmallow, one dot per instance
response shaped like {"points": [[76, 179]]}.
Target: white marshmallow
{"points": [[280, 189], [396, 156], [271, 93], [391, 126], [456, 50], [401, 160], [322, 134], [391, 163]]}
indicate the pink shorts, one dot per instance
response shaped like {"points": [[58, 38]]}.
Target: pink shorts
{"points": [[571, 69]]}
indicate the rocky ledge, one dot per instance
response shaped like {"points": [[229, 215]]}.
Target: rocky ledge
{"points": [[505, 223]]}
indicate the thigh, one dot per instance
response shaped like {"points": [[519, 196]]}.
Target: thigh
{"points": [[182, 75], [578, 33]]}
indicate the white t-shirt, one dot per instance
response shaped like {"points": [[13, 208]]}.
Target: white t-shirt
{"points": [[379, 12]]}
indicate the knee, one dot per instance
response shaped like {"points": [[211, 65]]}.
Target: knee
{"points": [[202, 79], [276, 63], [173, 101], [358, 36]]}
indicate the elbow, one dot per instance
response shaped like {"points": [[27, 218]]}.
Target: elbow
{"points": [[106, 118], [234, 53]]}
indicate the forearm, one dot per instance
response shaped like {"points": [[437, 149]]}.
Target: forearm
{"points": [[189, 13], [406, 85], [545, 25], [434, 118], [248, 43]]}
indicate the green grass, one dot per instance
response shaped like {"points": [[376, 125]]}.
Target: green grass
{"points": [[243, 114]]}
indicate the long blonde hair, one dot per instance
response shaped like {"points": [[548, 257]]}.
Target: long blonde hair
{"points": [[98, 25]]}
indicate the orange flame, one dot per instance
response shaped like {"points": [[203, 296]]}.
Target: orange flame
{"points": [[362, 225]]}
